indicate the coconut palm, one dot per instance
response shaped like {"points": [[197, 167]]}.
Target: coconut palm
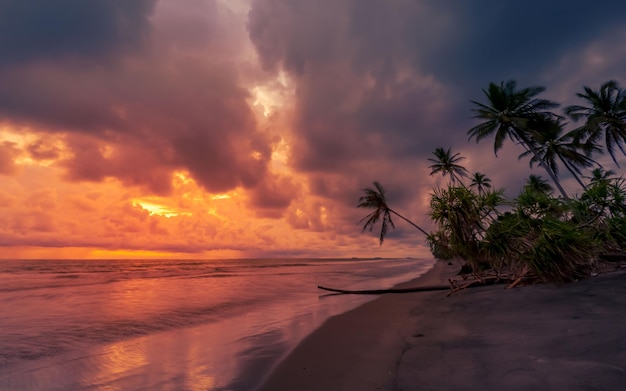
{"points": [[551, 145], [447, 164], [510, 114], [375, 199], [538, 184], [606, 114], [480, 182], [601, 175]]}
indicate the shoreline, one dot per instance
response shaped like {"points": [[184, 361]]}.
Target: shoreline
{"points": [[539, 336], [358, 349]]}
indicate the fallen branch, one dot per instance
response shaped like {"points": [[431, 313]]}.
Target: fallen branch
{"points": [[476, 281], [520, 277], [482, 279], [384, 291]]}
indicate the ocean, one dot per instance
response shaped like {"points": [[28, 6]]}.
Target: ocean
{"points": [[170, 324]]}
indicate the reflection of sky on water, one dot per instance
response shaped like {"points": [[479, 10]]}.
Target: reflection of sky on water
{"points": [[212, 356], [173, 331]]}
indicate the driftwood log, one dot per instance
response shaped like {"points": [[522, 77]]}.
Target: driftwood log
{"points": [[453, 287], [384, 291], [468, 281]]}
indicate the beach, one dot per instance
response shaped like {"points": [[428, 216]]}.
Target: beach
{"points": [[170, 324], [569, 337]]}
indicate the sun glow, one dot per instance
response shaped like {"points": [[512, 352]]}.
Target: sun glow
{"points": [[220, 197], [157, 209], [323, 215], [33, 148], [181, 178], [280, 156], [20, 137], [273, 95]]}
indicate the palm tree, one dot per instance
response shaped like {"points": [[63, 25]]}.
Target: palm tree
{"points": [[600, 175], [510, 114], [480, 182], [551, 145], [446, 163], [606, 114], [375, 199], [538, 184]]}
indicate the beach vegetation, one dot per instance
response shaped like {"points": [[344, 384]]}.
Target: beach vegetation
{"points": [[480, 182], [537, 235], [446, 163]]}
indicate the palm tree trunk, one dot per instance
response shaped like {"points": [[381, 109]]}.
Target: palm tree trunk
{"points": [[551, 174], [555, 180], [408, 221], [572, 171]]}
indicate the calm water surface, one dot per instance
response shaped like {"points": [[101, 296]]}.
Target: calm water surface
{"points": [[169, 324]]}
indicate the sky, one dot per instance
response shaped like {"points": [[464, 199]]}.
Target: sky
{"points": [[247, 128]]}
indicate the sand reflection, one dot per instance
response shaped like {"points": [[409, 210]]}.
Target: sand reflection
{"points": [[117, 361]]}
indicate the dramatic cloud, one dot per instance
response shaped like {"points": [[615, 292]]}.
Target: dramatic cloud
{"points": [[91, 30], [8, 153], [248, 127], [172, 106], [387, 82]]}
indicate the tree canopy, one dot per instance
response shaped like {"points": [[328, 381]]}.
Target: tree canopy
{"points": [[536, 235]]}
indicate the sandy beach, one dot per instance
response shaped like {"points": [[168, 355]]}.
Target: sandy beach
{"points": [[571, 337]]}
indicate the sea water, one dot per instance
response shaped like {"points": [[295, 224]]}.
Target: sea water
{"points": [[170, 324]]}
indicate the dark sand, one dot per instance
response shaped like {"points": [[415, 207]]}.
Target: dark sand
{"points": [[539, 337]]}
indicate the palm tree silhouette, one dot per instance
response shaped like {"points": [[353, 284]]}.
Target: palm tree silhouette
{"points": [[538, 184], [600, 175], [446, 164], [510, 114], [480, 182], [551, 145], [375, 199], [606, 114]]}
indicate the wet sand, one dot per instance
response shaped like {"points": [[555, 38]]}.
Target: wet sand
{"points": [[571, 337]]}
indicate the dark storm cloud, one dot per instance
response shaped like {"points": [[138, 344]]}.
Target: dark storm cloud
{"points": [[174, 104], [273, 196], [195, 118], [374, 77], [493, 41], [36, 30], [56, 97], [360, 92]]}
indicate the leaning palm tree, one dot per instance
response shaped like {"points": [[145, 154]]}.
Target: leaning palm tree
{"points": [[447, 164], [606, 114], [480, 182], [510, 114], [551, 145], [375, 199]]}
